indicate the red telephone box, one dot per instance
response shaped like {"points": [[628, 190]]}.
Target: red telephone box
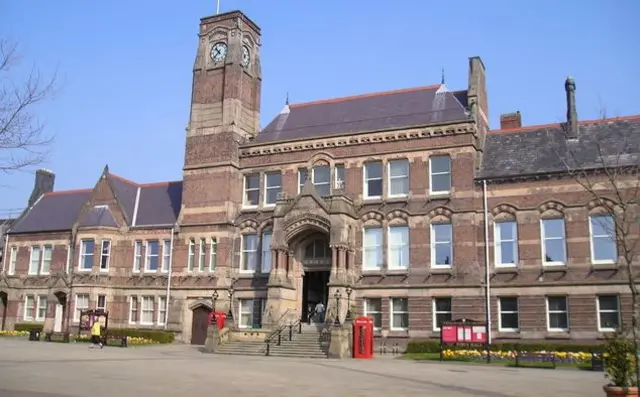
{"points": [[363, 337], [220, 319]]}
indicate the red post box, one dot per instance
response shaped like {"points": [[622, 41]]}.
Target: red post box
{"points": [[363, 337], [220, 319]]}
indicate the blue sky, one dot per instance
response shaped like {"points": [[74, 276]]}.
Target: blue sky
{"points": [[126, 66]]}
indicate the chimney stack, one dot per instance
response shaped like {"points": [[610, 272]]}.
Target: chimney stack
{"points": [[510, 120], [43, 184], [572, 114]]}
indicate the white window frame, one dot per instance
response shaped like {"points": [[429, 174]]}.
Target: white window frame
{"points": [[149, 255], [26, 307], [431, 174], [500, 312], [566, 313], [265, 256], [47, 257], [404, 262], [543, 241], [313, 177], [599, 310], [68, 263], [191, 255], [202, 255], [301, 182], [241, 311], [593, 237], [98, 306], [77, 309], [378, 248], [435, 312], [150, 312], [32, 260], [134, 307], [498, 241], [432, 236], [391, 177], [104, 255], [137, 256], [13, 259], [83, 255], [245, 190], [166, 256], [267, 188], [213, 253], [244, 253], [339, 183], [365, 184], [368, 312], [162, 311], [392, 327], [40, 299]]}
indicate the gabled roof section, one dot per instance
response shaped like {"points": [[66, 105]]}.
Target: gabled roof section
{"points": [[125, 191], [545, 149], [159, 203], [98, 216], [55, 211], [363, 113]]}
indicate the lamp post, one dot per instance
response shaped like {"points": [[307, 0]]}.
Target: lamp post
{"points": [[337, 295], [214, 298], [349, 290], [230, 314]]}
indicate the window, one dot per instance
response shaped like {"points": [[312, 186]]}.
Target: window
{"points": [[192, 255], [166, 255], [441, 245], [202, 257], [399, 314], [133, 310], [13, 258], [251, 190], [557, 314], [608, 313], [137, 256], [505, 235], [603, 239], [398, 247], [302, 178], [68, 263], [105, 254], [321, 178], [34, 261], [508, 312], [441, 312], [162, 310], [152, 253], [29, 308], [87, 247], [398, 178], [266, 252], [41, 314], [373, 310], [249, 253], [339, 182], [101, 304], [372, 247], [440, 174], [246, 313], [213, 251], [273, 186], [373, 179], [147, 310], [82, 303], [553, 242], [47, 254]]}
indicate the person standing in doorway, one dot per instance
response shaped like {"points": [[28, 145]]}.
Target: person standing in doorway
{"points": [[95, 334], [319, 312]]}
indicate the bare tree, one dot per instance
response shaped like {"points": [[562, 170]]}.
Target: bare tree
{"points": [[23, 143], [606, 164]]}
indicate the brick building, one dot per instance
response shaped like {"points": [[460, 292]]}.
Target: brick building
{"points": [[383, 193]]}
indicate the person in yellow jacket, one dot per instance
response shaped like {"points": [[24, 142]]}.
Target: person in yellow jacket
{"points": [[95, 334]]}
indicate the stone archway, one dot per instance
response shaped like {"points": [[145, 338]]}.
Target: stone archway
{"points": [[60, 310]]}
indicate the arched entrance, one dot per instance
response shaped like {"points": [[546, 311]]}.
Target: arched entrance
{"points": [[315, 258], [60, 312], [4, 302], [199, 324]]}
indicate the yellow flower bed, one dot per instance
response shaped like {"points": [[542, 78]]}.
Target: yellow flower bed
{"points": [[564, 357], [131, 340], [14, 333]]}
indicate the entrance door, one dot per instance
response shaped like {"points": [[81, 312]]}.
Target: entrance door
{"points": [[199, 325], [57, 322], [315, 289], [4, 301]]}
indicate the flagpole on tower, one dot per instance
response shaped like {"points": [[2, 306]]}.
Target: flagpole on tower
{"points": [[218, 7]]}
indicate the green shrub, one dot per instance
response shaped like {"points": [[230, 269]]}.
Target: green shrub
{"points": [[433, 346], [157, 336], [27, 327]]}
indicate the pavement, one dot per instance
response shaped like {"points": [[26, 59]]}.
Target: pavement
{"points": [[39, 369]]}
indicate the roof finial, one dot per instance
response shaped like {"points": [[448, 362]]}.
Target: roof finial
{"points": [[286, 102], [442, 80]]}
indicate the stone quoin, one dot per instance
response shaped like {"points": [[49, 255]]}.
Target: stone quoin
{"points": [[382, 193]]}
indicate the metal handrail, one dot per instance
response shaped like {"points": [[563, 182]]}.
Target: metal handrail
{"points": [[273, 333], [278, 333]]}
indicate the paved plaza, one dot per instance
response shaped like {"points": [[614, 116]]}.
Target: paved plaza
{"points": [[38, 369]]}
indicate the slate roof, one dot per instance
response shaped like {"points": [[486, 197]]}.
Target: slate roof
{"points": [[158, 205], [371, 112], [545, 149]]}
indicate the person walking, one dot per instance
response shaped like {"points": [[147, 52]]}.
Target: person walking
{"points": [[95, 334], [319, 315]]}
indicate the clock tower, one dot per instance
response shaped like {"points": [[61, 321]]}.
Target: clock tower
{"points": [[225, 111]]}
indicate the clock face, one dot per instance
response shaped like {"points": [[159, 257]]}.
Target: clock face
{"points": [[246, 58], [219, 52]]}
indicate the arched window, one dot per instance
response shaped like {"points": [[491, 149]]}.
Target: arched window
{"points": [[317, 249]]}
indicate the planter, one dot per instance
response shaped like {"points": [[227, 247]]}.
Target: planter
{"points": [[615, 391]]}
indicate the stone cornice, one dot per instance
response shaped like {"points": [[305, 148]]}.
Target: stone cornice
{"points": [[368, 138]]}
